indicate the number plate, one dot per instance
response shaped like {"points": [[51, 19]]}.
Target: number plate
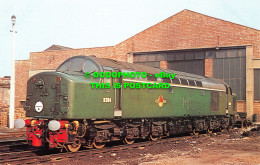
{"points": [[107, 100]]}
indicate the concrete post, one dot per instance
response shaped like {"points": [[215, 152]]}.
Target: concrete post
{"points": [[12, 84], [249, 82], [130, 57]]}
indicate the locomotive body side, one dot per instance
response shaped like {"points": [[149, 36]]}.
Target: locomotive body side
{"points": [[180, 101]]}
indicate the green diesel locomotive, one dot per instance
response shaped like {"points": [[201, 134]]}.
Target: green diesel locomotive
{"points": [[69, 109]]}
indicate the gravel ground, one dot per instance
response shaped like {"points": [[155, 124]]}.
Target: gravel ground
{"points": [[217, 148]]}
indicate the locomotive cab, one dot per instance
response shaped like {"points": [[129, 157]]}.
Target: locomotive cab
{"points": [[55, 99], [52, 94]]}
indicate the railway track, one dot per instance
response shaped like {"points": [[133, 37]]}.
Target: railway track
{"points": [[29, 157], [12, 141], [50, 156], [6, 136], [14, 146]]}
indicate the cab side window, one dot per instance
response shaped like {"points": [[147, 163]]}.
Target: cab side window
{"points": [[108, 80]]}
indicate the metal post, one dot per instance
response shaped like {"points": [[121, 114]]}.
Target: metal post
{"points": [[12, 84]]}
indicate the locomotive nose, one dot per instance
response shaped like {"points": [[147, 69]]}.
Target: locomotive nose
{"points": [[47, 95]]}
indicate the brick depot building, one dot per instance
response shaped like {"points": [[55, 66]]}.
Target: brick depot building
{"points": [[187, 41], [4, 100]]}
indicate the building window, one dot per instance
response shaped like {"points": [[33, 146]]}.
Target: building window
{"points": [[233, 72], [257, 84]]}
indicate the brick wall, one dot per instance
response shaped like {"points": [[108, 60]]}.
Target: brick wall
{"points": [[209, 67], [184, 30], [4, 118], [164, 64], [4, 96], [241, 106], [189, 29], [4, 91], [257, 109], [22, 75], [4, 100], [52, 59]]}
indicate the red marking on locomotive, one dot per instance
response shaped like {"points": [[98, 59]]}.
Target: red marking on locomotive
{"points": [[58, 137], [160, 101], [35, 133]]}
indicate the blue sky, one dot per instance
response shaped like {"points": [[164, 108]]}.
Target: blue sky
{"points": [[94, 23]]}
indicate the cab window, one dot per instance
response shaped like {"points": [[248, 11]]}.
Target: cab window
{"points": [[76, 65], [90, 67], [64, 67]]}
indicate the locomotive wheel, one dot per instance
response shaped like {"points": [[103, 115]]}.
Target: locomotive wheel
{"points": [[74, 147], [98, 145], [195, 133], [221, 129], [89, 146], [128, 141], [230, 128], [153, 138], [210, 130]]}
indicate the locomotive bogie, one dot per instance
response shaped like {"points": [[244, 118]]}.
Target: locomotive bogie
{"points": [[91, 133]]}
